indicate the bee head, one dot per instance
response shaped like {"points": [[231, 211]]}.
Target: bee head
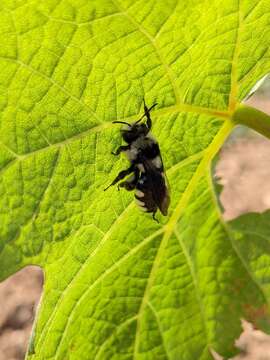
{"points": [[131, 132]]}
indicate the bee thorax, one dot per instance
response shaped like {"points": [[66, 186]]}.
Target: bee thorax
{"points": [[132, 154]]}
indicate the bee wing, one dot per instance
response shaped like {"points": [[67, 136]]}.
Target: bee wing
{"points": [[166, 180], [160, 192]]}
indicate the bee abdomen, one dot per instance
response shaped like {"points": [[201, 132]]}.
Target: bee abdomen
{"points": [[139, 194], [157, 163], [141, 204], [144, 199]]}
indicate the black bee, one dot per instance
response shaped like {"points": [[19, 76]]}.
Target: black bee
{"points": [[148, 178]]}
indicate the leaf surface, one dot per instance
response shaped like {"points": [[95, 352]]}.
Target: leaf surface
{"points": [[118, 285]]}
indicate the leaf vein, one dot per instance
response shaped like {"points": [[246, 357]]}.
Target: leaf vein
{"points": [[169, 228], [102, 276], [168, 70], [151, 307]]}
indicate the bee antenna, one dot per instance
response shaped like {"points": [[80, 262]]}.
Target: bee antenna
{"points": [[121, 122], [147, 111], [140, 119]]}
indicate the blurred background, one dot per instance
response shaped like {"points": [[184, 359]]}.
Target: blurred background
{"points": [[243, 170]]}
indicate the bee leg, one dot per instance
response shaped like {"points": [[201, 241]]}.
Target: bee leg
{"points": [[154, 213], [127, 185], [121, 175], [131, 182], [120, 149]]}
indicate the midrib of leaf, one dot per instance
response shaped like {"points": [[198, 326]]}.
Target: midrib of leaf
{"points": [[210, 152]]}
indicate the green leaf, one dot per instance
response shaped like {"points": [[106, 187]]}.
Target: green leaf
{"points": [[117, 284], [251, 240]]}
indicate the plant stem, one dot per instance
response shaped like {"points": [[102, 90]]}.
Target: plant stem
{"points": [[253, 118]]}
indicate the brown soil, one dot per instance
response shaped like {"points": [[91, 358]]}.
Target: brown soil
{"points": [[244, 174], [19, 296]]}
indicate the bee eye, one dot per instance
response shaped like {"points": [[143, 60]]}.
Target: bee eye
{"points": [[128, 136]]}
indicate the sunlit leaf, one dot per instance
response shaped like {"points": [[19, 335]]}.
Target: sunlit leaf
{"points": [[117, 284]]}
